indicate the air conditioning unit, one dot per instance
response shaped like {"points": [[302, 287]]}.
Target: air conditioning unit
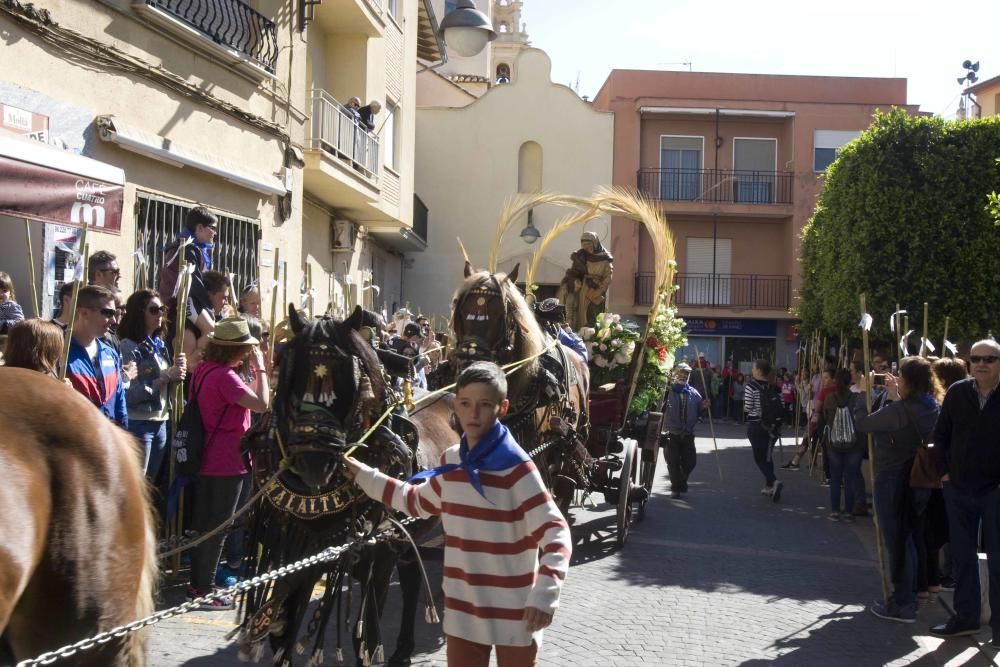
{"points": [[342, 236]]}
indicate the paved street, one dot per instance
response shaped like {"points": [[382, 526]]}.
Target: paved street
{"points": [[724, 577]]}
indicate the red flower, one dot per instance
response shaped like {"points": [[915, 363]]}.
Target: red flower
{"points": [[661, 353], [651, 342]]}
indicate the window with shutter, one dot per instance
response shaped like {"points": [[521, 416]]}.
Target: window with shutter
{"points": [[680, 167], [707, 278], [754, 164]]}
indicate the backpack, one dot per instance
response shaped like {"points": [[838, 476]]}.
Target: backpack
{"points": [[772, 409], [841, 434], [188, 442]]}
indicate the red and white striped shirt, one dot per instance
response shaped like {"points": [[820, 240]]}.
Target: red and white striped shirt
{"points": [[492, 569]]}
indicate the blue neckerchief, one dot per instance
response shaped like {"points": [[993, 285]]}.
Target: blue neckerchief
{"points": [[681, 388], [205, 248], [157, 345], [496, 451], [928, 401]]}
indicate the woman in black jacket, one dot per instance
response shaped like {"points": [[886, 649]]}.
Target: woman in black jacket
{"points": [[904, 424]]}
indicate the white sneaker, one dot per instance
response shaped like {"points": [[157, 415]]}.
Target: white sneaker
{"points": [[776, 490], [766, 491]]}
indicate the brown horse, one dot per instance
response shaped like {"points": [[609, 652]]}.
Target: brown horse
{"points": [[492, 321], [77, 538]]}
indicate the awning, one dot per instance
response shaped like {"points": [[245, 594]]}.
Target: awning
{"points": [[40, 182], [163, 149]]}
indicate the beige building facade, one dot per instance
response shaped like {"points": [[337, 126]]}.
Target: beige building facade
{"points": [[987, 96], [527, 134], [192, 111], [735, 161]]}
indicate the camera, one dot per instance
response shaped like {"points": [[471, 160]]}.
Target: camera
{"points": [[878, 379]]}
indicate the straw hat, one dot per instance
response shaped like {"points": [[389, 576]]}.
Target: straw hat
{"points": [[232, 331]]}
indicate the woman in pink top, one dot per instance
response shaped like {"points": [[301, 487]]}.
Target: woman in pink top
{"points": [[225, 402]]}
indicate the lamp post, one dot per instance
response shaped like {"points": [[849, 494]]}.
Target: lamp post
{"points": [[530, 233], [466, 29]]}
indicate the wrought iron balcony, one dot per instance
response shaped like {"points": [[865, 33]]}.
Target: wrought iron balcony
{"points": [[229, 23], [717, 185], [721, 290], [339, 132]]}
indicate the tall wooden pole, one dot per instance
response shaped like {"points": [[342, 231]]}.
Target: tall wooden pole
{"points": [[944, 341], [871, 458], [923, 339], [68, 337], [899, 334], [905, 345], [31, 270], [274, 305], [711, 423]]}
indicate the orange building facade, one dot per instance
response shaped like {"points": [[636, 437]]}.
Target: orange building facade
{"points": [[735, 161]]}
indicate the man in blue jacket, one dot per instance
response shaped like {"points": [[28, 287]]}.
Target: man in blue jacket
{"points": [[680, 408], [94, 368], [965, 444]]}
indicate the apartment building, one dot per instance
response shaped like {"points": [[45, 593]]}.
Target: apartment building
{"points": [[987, 99], [358, 222], [124, 114], [735, 162]]}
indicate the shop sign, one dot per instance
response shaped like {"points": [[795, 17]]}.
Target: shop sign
{"points": [[706, 326]]}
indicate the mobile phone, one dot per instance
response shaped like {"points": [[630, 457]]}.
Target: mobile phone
{"points": [[878, 379], [895, 367]]}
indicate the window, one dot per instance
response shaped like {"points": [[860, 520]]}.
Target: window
{"points": [[708, 271], [503, 73], [827, 144], [389, 137], [393, 7], [680, 167], [529, 167], [754, 170], [159, 221]]}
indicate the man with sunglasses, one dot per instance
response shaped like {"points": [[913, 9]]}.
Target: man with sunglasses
{"points": [[103, 270], [94, 368], [965, 445]]}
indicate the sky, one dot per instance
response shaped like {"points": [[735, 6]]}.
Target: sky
{"points": [[924, 42]]}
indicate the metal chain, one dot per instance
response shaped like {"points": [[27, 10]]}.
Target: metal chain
{"points": [[328, 554]]}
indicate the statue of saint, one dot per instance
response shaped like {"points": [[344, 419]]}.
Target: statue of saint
{"points": [[586, 282]]}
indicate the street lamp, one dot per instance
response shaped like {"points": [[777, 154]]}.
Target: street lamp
{"points": [[530, 233], [466, 29]]}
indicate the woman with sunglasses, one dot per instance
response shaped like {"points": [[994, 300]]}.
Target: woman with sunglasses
{"points": [[148, 395]]}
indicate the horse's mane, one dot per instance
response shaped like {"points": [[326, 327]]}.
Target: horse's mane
{"points": [[529, 341]]}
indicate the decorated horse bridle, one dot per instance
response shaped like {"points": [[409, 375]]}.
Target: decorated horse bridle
{"points": [[474, 348]]}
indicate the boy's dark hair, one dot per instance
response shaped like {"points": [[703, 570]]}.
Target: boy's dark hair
{"points": [[199, 215], [763, 365], [484, 372], [98, 260], [216, 281], [94, 297], [950, 370]]}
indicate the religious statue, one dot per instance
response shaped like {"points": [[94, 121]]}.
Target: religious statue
{"points": [[586, 282]]}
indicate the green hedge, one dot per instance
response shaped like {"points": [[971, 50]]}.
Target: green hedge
{"points": [[904, 217]]}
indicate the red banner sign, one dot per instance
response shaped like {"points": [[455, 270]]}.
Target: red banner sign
{"points": [[39, 193]]}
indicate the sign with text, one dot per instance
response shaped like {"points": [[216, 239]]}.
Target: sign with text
{"points": [[705, 326], [21, 122], [48, 195]]}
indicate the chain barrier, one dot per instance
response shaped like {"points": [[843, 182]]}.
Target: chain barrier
{"points": [[328, 554]]}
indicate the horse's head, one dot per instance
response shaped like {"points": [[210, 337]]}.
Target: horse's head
{"points": [[485, 316], [329, 384]]}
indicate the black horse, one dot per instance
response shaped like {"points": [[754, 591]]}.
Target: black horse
{"points": [[333, 385]]}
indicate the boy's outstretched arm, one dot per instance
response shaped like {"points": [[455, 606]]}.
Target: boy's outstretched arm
{"points": [[417, 500]]}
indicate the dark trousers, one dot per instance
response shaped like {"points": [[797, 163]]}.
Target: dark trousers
{"points": [[891, 502], [845, 470], [216, 502], [762, 444], [681, 459], [965, 513]]}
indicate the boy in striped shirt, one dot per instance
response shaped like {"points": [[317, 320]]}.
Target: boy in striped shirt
{"points": [[497, 516]]}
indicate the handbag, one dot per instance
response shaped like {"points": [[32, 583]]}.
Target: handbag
{"points": [[923, 474]]}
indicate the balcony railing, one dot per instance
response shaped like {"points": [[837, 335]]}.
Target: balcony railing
{"points": [[721, 290], [717, 185], [339, 132], [230, 23], [420, 218]]}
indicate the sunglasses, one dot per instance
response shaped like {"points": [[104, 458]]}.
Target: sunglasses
{"points": [[988, 359], [157, 310], [116, 272], [108, 312]]}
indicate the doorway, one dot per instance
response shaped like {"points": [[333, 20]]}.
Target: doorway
{"points": [[744, 350]]}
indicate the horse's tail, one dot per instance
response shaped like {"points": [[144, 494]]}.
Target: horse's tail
{"points": [[150, 574]]}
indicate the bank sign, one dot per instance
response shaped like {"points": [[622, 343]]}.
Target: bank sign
{"points": [[40, 193], [706, 326]]}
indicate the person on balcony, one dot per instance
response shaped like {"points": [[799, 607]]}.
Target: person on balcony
{"points": [[367, 114]]}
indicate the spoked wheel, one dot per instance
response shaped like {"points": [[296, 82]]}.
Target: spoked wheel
{"points": [[626, 481], [650, 452]]}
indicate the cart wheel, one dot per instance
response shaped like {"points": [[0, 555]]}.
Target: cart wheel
{"points": [[626, 481], [650, 454]]}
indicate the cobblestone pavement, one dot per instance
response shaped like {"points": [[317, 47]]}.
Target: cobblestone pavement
{"points": [[722, 577]]}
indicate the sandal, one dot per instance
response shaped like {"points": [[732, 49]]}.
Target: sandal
{"points": [[833, 516]]}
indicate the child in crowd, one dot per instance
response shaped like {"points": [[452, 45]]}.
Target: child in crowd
{"points": [[35, 344], [497, 515], [10, 311]]}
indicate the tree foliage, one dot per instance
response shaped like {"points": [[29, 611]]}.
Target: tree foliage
{"points": [[904, 218]]}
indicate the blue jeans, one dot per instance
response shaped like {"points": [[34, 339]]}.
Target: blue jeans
{"points": [[889, 506], [153, 436], [845, 469], [965, 513]]}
